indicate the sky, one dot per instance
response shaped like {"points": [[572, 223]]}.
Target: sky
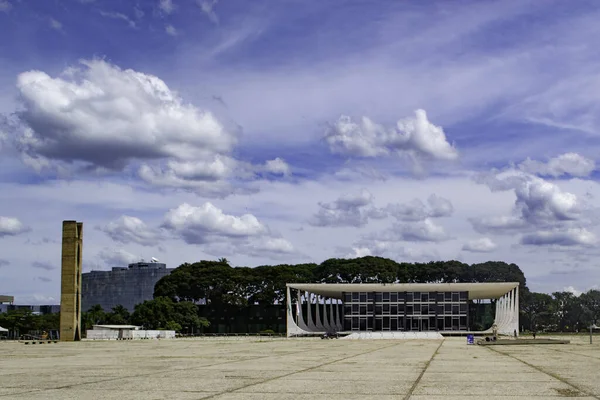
{"points": [[290, 131]]}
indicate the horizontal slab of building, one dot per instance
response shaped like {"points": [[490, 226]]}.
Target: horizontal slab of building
{"points": [[317, 308]]}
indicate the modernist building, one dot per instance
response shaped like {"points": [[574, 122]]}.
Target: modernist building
{"points": [[125, 286], [440, 307]]}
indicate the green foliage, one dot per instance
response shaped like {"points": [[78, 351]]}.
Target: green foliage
{"points": [[162, 312]]}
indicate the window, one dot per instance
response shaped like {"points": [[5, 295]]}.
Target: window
{"points": [[378, 297], [354, 308], [417, 296], [401, 297], [386, 308], [363, 310], [440, 297], [394, 309], [463, 308], [378, 324], [455, 309], [355, 296], [354, 323], [424, 297], [370, 308], [347, 309], [455, 297], [424, 309], [464, 296], [386, 296], [432, 296], [386, 323], [394, 297], [447, 308], [440, 308], [400, 308], [394, 324], [363, 324], [448, 296], [409, 297], [347, 297], [370, 296], [409, 310], [378, 309], [363, 297]]}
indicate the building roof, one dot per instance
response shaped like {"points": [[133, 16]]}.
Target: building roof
{"points": [[115, 327], [7, 299], [476, 290]]}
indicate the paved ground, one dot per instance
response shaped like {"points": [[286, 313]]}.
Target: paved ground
{"points": [[298, 369]]}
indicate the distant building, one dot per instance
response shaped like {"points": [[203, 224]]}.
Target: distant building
{"points": [[126, 286]]}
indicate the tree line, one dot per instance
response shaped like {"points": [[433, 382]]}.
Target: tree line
{"points": [[219, 286]]}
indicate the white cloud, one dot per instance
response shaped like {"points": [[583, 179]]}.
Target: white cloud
{"points": [[117, 257], [417, 211], [166, 6], [121, 16], [277, 166], [170, 29], [207, 7], [415, 137], [10, 226], [54, 24], [565, 164], [538, 203], [5, 6], [425, 230], [206, 223], [568, 237], [127, 229], [392, 250], [350, 209], [571, 289], [106, 116], [481, 245]]}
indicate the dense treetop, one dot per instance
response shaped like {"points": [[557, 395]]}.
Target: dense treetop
{"points": [[220, 283]]}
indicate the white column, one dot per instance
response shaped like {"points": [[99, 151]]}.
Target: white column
{"points": [[338, 314], [318, 322], [310, 324], [301, 322]]}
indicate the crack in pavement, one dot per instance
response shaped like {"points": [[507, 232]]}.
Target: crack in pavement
{"points": [[414, 385], [540, 369]]}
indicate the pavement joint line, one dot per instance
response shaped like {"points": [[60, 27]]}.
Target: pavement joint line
{"points": [[576, 354], [415, 383], [300, 371], [540, 369], [39, 390]]}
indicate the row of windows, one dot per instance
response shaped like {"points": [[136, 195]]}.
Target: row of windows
{"points": [[401, 297], [405, 324], [409, 309]]}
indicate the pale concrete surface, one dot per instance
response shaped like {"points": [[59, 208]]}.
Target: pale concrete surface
{"points": [[298, 368]]}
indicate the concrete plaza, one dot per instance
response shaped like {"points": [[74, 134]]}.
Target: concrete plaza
{"points": [[298, 369]]}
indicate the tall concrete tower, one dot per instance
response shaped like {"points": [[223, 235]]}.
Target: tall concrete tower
{"points": [[70, 287]]}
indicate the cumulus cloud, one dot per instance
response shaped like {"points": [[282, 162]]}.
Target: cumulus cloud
{"points": [[393, 250], [277, 166], [422, 231], [350, 209], [205, 223], [481, 245], [567, 237], [43, 265], [416, 210], [414, 137], [11, 227], [538, 202], [545, 214], [571, 164], [166, 6], [221, 233], [104, 116], [127, 229], [571, 289], [117, 257]]}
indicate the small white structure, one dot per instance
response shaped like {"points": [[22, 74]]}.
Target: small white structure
{"points": [[126, 332], [3, 329]]}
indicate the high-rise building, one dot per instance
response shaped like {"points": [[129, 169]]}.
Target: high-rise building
{"points": [[125, 286]]}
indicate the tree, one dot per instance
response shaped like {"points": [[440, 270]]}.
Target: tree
{"points": [[162, 312], [591, 305], [118, 316]]}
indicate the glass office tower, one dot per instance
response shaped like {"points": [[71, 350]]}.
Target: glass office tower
{"points": [[405, 311]]}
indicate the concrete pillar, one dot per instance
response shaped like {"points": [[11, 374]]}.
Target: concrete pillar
{"points": [[70, 291]]}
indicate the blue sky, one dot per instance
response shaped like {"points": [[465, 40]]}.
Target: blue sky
{"points": [[294, 131]]}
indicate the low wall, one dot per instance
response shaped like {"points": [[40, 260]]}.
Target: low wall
{"points": [[128, 334]]}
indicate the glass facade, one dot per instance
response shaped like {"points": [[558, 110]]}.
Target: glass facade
{"points": [[406, 311]]}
